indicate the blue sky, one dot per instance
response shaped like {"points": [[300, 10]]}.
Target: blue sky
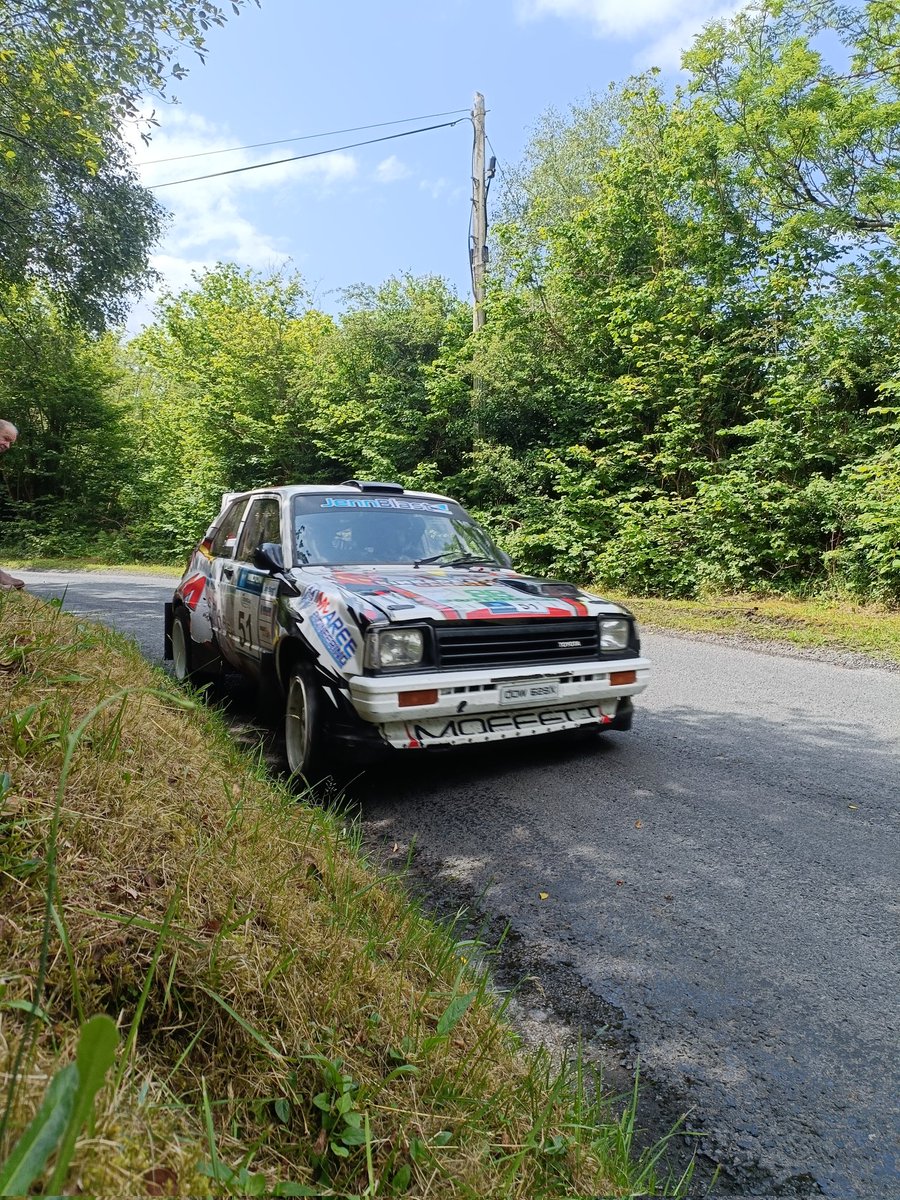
{"points": [[297, 67]]}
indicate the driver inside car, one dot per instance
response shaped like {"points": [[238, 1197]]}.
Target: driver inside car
{"points": [[389, 538]]}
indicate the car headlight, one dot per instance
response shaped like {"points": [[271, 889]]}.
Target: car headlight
{"points": [[614, 634], [388, 649]]}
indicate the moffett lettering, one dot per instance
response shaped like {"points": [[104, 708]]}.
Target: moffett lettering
{"points": [[475, 726]]}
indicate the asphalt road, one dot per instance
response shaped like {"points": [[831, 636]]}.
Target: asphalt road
{"points": [[721, 891]]}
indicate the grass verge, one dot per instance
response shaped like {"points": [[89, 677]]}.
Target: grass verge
{"points": [[812, 624], [90, 564], [289, 1022]]}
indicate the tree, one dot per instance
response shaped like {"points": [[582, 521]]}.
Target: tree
{"points": [[812, 139], [73, 216], [389, 399], [61, 486], [215, 405], [683, 352]]}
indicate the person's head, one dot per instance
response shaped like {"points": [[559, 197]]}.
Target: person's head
{"points": [[8, 434], [391, 536]]}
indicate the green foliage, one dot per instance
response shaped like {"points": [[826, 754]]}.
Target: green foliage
{"points": [[389, 399], [688, 378], [32, 1152], [240, 384], [813, 141], [61, 484], [866, 558], [66, 1108], [682, 357], [213, 406], [73, 214]]}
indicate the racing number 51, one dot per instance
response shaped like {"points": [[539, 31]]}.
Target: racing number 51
{"points": [[244, 631]]}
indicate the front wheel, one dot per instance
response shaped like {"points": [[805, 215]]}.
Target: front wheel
{"points": [[305, 739]]}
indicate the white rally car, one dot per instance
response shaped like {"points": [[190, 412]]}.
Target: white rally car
{"points": [[387, 618]]}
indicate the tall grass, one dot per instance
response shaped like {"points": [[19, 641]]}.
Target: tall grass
{"points": [[290, 1023]]}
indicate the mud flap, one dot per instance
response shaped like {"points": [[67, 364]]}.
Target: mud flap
{"points": [[167, 635], [624, 714]]}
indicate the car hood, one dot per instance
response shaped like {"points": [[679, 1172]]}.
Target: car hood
{"points": [[451, 593]]}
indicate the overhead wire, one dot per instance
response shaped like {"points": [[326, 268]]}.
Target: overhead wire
{"points": [[275, 162], [306, 137]]}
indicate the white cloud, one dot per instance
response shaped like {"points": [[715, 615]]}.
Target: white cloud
{"points": [[623, 18], [443, 188], [389, 170], [666, 51], [176, 273], [435, 187], [191, 147], [217, 220]]}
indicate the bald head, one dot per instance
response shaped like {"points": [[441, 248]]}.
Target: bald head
{"points": [[8, 434]]}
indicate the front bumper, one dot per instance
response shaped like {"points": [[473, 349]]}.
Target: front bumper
{"points": [[469, 709]]}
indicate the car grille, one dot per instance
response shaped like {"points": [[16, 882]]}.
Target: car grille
{"points": [[511, 642]]}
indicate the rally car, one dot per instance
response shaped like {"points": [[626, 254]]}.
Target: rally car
{"points": [[385, 618]]}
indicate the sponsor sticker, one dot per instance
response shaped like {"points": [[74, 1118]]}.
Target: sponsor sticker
{"points": [[250, 581], [192, 589], [490, 726], [434, 506], [333, 632], [267, 614], [467, 595]]}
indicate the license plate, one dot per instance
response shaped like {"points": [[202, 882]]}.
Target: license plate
{"points": [[529, 693]]}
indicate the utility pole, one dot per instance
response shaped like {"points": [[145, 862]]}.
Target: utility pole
{"points": [[478, 248]]}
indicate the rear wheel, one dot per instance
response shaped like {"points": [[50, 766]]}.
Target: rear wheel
{"points": [[305, 739]]}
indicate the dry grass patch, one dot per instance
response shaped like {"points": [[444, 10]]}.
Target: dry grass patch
{"points": [[283, 1012]]}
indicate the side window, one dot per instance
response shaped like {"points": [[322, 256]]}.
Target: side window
{"points": [[226, 534], [263, 525]]}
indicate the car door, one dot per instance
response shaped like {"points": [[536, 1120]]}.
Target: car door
{"points": [[220, 552], [247, 587]]}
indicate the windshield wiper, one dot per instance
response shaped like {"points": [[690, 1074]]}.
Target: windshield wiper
{"points": [[459, 560]]}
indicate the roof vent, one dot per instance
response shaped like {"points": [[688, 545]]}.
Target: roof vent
{"points": [[372, 485]]}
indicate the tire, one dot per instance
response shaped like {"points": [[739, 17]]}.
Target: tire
{"points": [[183, 658], [305, 739]]}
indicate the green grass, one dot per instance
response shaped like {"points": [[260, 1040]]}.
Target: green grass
{"points": [[290, 1022], [813, 624], [89, 564]]}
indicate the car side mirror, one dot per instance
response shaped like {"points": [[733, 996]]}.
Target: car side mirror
{"points": [[269, 557], [505, 560]]}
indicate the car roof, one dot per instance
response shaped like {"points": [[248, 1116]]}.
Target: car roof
{"points": [[330, 489]]}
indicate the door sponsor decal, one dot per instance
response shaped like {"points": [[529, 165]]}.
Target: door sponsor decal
{"points": [[250, 581]]}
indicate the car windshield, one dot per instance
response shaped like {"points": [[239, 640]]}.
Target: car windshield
{"points": [[341, 530]]}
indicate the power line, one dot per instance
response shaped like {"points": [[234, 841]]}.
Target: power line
{"points": [[313, 154], [307, 137]]}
